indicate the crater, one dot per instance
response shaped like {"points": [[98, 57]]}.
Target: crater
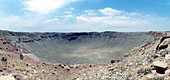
{"points": [[79, 48]]}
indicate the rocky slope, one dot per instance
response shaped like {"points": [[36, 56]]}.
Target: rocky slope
{"points": [[79, 48], [14, 68], [150, 61]]}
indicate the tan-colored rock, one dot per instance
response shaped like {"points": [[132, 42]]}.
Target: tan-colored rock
{"points": [[168, 49], [167, 71], [166, 41], [167, 56], [9, 77], [154, 71], [160, 64], [150, 76]]}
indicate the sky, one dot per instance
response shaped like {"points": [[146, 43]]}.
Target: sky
{"points": [[84, 15]]}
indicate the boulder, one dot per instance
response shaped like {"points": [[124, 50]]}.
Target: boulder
{"points": [[162, 46], [165, 41], [167, 56], [167, 71], [160, 67], [168, 49], [160, 64], [112, 61], [4, 59], [164, 38], [153, 71], [9, 77]]}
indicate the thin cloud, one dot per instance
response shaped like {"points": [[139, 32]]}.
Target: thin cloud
{"points": [[87, 20], [15, 22], [113, 17], [110, 11], [92, 20], [19, 23], [51, 20], [45, 6]]}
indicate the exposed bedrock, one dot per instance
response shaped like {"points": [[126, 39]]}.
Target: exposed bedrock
{"points": [[80, 48]]}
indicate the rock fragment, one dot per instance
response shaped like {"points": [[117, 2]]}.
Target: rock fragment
{"points": [[9, 77], [113, 61], [167, 56], [167, 72], [4, 59], [150, 76]]}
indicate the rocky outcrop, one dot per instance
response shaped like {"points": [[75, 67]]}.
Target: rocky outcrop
{"points": [[164, 42]]}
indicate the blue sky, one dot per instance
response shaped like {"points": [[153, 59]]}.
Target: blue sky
{"points": [[84, 15]]}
